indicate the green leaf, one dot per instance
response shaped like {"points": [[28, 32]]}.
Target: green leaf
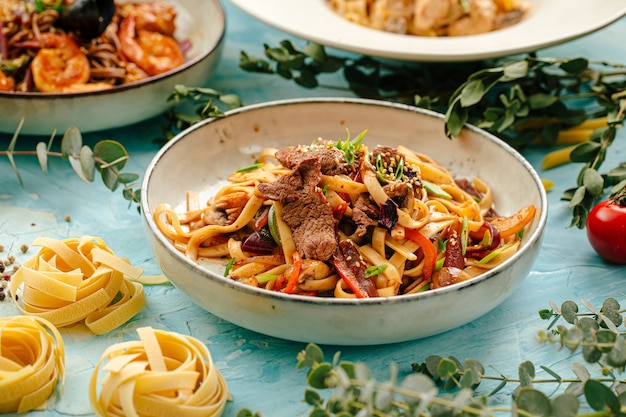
{"points": [[565, 405], [87, 163], [526, 372], [572, 338], [42, 156], [477, 369], [112, 153], [515, 70], [605, 337], [585, 152], [578, 197], [534, 402], [541, 100], [72, 142], [77, 167], [312, 397], [318, 375], [446, 367], [593, 182], [574, 66], [419, 384], [315, 51], [472, 93], [456, 117], [128, 177], [432, 363], [600, 397], [310, 356], [617, 355]]}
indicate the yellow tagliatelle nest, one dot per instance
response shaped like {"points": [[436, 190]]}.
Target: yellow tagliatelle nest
{"points": [[32, 359], [78, 279], [162, 374]]}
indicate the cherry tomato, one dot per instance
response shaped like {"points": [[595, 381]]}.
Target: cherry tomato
{"points": [[606, 230]]}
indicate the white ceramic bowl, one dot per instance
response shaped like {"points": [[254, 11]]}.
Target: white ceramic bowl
{"points": [[202, 22], [203, 156]]}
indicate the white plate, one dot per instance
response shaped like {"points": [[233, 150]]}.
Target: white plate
{"points": [[549, 22]]}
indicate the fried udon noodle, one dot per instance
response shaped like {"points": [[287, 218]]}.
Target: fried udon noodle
{"points": [[335, 218]]}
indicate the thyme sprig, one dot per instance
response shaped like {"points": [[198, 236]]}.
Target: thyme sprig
{"points": [[447, 386], [526, 100]]}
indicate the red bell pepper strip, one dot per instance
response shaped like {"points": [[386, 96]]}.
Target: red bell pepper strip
{"points": [[351, 269], [428, 248], [295, 273]]}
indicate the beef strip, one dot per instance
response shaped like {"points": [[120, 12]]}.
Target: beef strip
{"points": [[400, 192], [305, 209], [365, 213], [332, 160]]}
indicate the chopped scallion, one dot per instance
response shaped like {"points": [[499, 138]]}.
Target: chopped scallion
{"points": [[251, 167]]}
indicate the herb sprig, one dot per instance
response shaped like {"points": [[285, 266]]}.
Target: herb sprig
{"points": [[527, 101], [107, 157], [447, 386]]}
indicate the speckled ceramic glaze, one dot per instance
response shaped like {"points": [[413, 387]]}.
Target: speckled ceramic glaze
{"points": [[202, 22], [201, 158]]}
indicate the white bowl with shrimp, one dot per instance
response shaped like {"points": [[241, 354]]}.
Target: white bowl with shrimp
{"points": [[200, 24], [201, 158]]}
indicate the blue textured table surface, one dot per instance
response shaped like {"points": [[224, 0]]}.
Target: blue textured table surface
{"points": [[260, 370]]}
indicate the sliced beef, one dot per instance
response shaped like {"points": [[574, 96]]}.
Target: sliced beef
{"points": [[365, 213], [332, 160], [400, 192], [390, 159], [305, 209]]}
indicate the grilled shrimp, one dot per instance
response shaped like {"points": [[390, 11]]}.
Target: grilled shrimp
{"points": [[154, 16], [6, 83], [59, 65], [145, 35]]}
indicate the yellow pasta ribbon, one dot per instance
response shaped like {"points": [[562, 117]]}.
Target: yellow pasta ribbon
{"points": [[32, 359], [161, 374], [78, 279]]}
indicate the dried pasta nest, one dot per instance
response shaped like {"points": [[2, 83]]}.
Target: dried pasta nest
{"points": [[32, 359], [78, 279], [161, 374]]}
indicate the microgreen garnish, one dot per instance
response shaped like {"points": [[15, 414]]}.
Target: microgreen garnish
{"points": [[464, 234], [380, 170], [494, 253], [486, 240], [439, 263], [350, 147], [400, 169], [229, 266], [251, 167], [262, 278], [374, 270], [435, 190]]}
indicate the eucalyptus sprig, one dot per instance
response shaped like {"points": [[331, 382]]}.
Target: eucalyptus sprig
{"points": [[526, 101], [447, 386], [107, 157]]}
